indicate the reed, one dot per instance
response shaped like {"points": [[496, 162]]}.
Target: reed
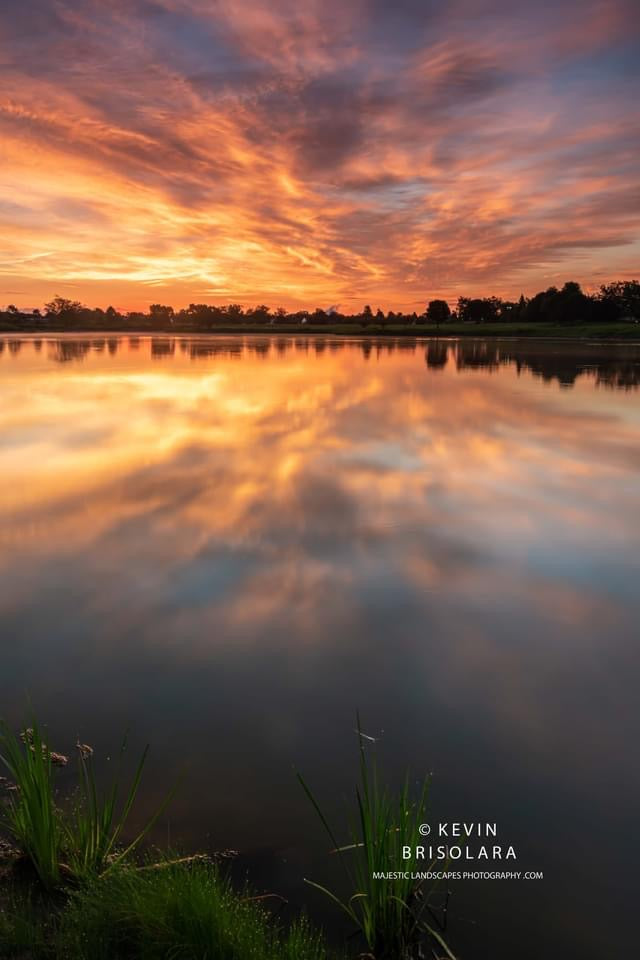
{"points": [[29, 813], [392, 915], [85, 838], [96, 826]]}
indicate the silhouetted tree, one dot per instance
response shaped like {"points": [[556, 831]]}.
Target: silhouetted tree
{"points": [[538, 307], [522, 306], [261, 314], [159, 313], [367, 316], [569, 305], [438, 311], [233, 312], [473, 310], [622, 298], [113, 316], [62, 309]]}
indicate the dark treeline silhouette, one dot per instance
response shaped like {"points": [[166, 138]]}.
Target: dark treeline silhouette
{"points": [[567, 306], [612, 365]]}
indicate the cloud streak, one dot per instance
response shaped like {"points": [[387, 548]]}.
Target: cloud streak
{"points": [[309, 153]]}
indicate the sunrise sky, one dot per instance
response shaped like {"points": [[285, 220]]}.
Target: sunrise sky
{"points": [[315, 152]]}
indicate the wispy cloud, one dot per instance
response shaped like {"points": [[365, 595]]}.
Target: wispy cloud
{"points": [[316, 152]]}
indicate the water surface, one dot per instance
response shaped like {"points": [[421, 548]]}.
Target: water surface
{"points": [[228, 545]]}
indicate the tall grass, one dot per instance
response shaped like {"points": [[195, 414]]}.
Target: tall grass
{"points": [[80, 843], [94, 829], [390, 914], [29, 813]]}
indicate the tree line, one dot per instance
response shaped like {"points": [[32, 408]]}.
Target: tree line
{"points": [[568, 305]]}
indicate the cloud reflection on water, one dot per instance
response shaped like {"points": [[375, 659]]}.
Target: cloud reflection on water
{"points": [[257, 537]]}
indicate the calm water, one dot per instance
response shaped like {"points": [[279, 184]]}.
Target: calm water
{"points": [[229, 545]]}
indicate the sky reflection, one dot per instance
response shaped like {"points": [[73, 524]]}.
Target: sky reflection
{"points": [[231, 545]]}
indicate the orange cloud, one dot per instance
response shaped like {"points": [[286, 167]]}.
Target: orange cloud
{"points": [[313, 153]]}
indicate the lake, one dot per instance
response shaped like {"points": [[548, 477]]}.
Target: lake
{"points": [[229, 545]]}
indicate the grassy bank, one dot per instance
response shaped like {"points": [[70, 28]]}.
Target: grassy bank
{"points": [[181, 910], [618, 330], [74, 884]]}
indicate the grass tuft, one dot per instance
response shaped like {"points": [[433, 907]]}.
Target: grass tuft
{"points": [[29, 813], [391, 914], [93, 831], [181, 912], [82, 843]]}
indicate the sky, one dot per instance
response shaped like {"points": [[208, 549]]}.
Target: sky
{"points": [[312, 153]]}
